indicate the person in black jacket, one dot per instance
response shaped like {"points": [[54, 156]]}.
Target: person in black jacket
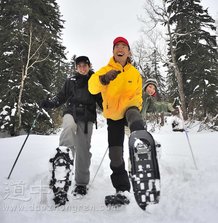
{"points": [[78, 119]]}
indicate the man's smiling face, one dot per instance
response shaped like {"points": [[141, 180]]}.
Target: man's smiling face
{"points": [[121, 52]]}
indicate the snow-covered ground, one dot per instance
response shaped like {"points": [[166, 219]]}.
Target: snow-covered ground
{"points": [[187, 195]]}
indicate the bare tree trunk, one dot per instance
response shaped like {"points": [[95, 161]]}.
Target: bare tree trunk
{"points": [[19, 103], [178, 75]]}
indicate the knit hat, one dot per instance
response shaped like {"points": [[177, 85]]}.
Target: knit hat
{"points": [[120, 39], [82, 59], [150, 81]]}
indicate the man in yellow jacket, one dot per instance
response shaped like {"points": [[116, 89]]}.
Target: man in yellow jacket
{"points": [[120, 84]]}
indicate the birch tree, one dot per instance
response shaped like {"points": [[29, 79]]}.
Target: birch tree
{"points": [[34, 56]]}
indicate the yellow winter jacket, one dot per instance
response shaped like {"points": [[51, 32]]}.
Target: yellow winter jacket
{"points": [[121, 93]]}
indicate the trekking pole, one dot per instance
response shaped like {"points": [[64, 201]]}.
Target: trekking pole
{"points": [[98, 167], [32, 126], [186, 133]]}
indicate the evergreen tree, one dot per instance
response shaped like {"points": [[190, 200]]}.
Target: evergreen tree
{"points": [[30, 59], [156, 74], [71, 66], [196, 53]]}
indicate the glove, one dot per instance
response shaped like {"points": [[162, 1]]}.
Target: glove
{"points": [[46, 104], [109, 76], [176, 103]]}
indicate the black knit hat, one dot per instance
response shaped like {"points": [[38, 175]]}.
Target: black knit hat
{"points": [[150, 81], [82, 59]]}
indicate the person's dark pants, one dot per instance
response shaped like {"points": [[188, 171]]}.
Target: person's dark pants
{"points": [[119, 176]]}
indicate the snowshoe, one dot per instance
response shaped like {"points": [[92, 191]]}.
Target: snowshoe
{"points": [[62, 164], [117, 200], [144, 170]]}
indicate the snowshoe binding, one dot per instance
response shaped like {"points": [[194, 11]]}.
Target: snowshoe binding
{"points": [[79, 191], [117, 200]]}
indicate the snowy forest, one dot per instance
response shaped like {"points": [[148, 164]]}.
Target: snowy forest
{"points": [[34, 66]]}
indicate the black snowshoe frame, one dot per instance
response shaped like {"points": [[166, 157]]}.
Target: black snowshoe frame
{"points": [[144, 171], [60, 187]]}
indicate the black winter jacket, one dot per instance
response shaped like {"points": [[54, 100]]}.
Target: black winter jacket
{"points": [[80, 103]]}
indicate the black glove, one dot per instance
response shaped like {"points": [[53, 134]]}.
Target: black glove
{"points": [[46, 104], [109, 76], [176, 103]]}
